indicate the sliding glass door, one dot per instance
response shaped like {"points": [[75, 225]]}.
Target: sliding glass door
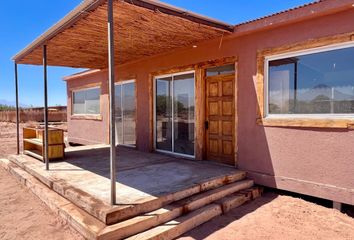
{"points": [[125, 101], [174, 113]]}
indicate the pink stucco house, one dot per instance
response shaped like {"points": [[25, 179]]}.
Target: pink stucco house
{"points": [[273, 96]]}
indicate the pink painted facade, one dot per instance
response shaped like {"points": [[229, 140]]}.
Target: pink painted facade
{"points": [[312, 161]]}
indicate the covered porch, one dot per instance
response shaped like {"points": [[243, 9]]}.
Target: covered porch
{"points": [[105, 35]]}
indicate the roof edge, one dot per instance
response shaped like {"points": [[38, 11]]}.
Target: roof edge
{"points": [[307, 11], [89, 5], [181, 12], [82, 74], [65, 22]]}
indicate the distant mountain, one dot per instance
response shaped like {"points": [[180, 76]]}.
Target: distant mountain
{"points": [[11, 103], [325, 90]]}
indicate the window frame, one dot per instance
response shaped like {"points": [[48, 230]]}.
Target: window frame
{"points": [[298, 53], [83, 115]]}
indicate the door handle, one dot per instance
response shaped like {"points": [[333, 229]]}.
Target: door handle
{"points": [[206, 124]]}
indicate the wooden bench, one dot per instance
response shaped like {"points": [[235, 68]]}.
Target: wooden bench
{"points": [[33, 143]]}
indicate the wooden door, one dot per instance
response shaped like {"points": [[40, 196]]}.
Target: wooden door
{"points": [[220, 118]]}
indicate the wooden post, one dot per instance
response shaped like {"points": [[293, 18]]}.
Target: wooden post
{"points": [[46, 159], [111, 101], [17, 112], [337, 205], [200, 114]]}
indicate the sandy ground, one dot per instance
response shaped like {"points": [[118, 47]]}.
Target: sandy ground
{"points": [[23, 216], [277, 217]]}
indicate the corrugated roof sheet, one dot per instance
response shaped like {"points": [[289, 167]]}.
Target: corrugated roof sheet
{"points": [[281, 12]]}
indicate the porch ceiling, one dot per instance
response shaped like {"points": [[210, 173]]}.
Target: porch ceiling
{"points": [[142, 28]]}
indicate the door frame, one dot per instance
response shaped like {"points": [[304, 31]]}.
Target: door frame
{"points": [[202, 131], [200, 98]]}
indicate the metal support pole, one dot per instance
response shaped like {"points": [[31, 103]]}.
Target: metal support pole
{"points": [[17, 112], [111, 101], [45, 107]]}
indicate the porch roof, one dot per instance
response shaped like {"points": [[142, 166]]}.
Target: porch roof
{"points": [[142, 28]]}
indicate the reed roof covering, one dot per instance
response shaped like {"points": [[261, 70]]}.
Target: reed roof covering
{"points": [[142, 28]]}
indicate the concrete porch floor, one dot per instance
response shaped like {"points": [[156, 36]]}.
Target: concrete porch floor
{"points": [[145, 181]]}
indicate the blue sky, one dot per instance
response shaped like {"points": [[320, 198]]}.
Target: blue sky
{"points": [[23, 21]]}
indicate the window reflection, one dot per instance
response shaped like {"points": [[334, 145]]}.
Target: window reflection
{"points": [[125, 102], [86, 101], [319, 83], [175, 108], [164, 114], [183, 96]]}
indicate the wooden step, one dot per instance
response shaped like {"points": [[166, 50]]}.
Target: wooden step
{"points": [[205, 198], [141, 223], [181, 225], [177, 227], [168, 222]]}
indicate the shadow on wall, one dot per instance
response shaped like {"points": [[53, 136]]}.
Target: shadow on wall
{"points": [[254, 152]]}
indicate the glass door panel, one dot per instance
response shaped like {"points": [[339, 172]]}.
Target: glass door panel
{"points": [[118, 113], [129, 111], [125, 113], [175, 103], [164, 114], [183, 117]]}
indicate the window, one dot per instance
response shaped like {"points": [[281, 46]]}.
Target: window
{"points": [[125, 104], [174, 113], [220, 70], [318, 82], [87, 101]]}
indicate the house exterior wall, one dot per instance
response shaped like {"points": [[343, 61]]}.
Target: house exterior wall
{"points": [[313, 161]]}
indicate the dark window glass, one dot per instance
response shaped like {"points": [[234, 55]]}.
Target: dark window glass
{"points": [[319, 83], [183, 116], [175, 107], [164, 114], [221, 70]]}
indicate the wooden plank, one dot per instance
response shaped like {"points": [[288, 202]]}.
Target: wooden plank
{"points": [[35, 141], [199, 114], [151, 112], [236, 115], [177, 227], [307, 123], [34, 153]]}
